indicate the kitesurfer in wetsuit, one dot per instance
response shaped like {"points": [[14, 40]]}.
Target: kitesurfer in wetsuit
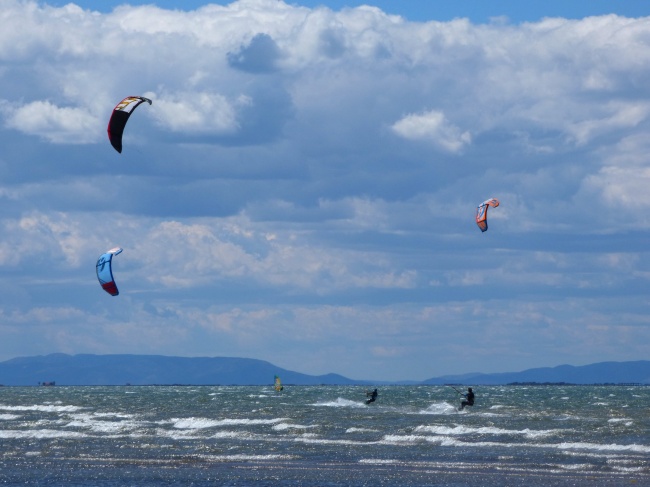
{"points": [[469, 399], [373, 396]]}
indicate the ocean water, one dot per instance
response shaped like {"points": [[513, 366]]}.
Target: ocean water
{"points": [[324, 436]]}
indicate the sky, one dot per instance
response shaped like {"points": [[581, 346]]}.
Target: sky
{"points": [[303, 188]]}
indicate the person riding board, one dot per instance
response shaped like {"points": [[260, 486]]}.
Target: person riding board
{"points": [[469, 399], [372, 396]]}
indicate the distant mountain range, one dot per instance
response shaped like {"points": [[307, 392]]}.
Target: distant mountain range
{"points": [[637, 372], [86, 369]]}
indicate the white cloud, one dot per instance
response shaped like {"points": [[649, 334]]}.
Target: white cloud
{"points": [[626, 188], [204, 253], [618, 116], [69, 125], [434, 127], [193, 112], [316, 172]]}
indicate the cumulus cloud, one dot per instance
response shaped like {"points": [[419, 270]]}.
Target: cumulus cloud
{"points": [[316, 172], [62, 125], [192, 112], [434, 127]]}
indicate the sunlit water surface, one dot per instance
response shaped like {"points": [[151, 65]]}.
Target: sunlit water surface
{"points": [[324, 436]]}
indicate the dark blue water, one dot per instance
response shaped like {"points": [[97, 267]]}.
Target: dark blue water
{"points": [[324, 436]]}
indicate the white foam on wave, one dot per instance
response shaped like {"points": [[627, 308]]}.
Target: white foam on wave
{"points": [[566, 446], [112, 415], [484, 415], [289, 426], [98, 423], [403, 439], [440, 408], [237, 435], [606, 447], [177, 434], [8, 417], [312, 439], [625, 421], [47, 408], [202, 423], [360, 430], [341, 403], [39, 434], [484, 430], [247, 458], [446, 465], [415, 439]]}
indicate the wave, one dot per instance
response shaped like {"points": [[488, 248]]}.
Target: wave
{"points": [[451, 441], [243, 457], [361, 430], [45, 408], [485, 430], [440, 408], [341, 403], [96, 423], [39, 434], [288, 426], [8, 417], [202, 423]]}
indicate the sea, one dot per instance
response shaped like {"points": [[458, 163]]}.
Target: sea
{"points": [[528, 435]]}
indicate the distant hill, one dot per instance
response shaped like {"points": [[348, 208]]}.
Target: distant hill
{"points": [[600, 373], [151, 369], [86, 369]]}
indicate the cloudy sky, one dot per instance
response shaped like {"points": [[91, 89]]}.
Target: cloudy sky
{"points": [[303, 188]]}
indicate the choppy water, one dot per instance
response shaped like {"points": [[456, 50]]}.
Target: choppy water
{"points": [[324, 436]]}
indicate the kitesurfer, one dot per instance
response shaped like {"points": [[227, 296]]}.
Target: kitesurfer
{"points": [[469, 399], [372, 396]]}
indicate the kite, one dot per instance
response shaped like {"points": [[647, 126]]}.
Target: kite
{"points": [[481, 213], [120, 116], [105, 273]]}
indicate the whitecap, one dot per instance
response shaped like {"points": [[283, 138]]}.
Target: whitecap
{"points": [[440, 408], [313, 439], [483, 430], [607, 447], [42, 408], [341, 403], [201, 423], [288, 426], [39, 434], [244, 457], [95, 423], [360, 430], [625, 421], [403, 439], [8, 417]]}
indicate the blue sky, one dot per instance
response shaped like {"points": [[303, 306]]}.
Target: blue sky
{"points": [[478, 11], [302, 189]]}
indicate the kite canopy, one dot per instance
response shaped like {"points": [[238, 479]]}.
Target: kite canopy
{"points": [[105, 273], [120, 116], [481, 213]]}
